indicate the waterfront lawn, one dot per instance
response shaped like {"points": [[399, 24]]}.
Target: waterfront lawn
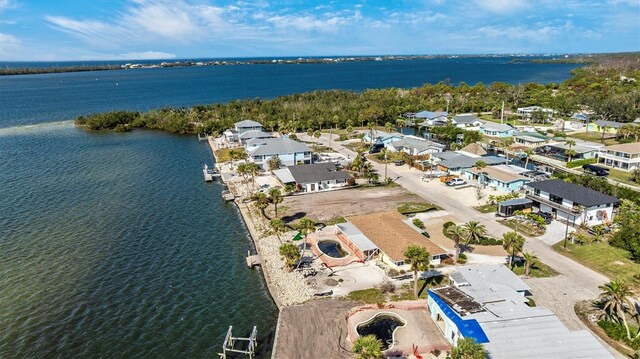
{"points": [[538, 269], [371, 295], [487, 208], [223, 154], [595, 137], [416, 207], [610, 261]]}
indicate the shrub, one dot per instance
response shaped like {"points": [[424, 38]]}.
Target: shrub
{"points": [[580, 163], [462, 259], [343, 138], [387, 287], [293, 136], [418, 223], [616, 331], [446, 226], [490, 241], [393, 273], [426, 234]]}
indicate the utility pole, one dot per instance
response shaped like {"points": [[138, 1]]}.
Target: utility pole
{"points": [[502, 113]]}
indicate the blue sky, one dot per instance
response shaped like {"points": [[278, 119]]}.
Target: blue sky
{"points": [[46, 30]]}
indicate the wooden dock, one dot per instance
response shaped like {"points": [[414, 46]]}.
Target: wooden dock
{"points": [[228, 196]]}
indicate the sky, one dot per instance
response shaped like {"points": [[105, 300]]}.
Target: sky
{"points": [[56, 30]]}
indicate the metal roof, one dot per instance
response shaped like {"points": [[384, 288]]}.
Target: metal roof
{"points": [[573, 192], [459, 160], [516, 201], [284, 175], [247, 123], [431, 114], [254, 134], [358, 238], [612, 124], [466, 118], [278, 146], [491, 126]]}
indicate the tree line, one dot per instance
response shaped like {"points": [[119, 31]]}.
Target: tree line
{"points": [[611, 93]]}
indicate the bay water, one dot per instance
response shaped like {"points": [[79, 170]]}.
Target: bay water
{"points": [[111, 245]]}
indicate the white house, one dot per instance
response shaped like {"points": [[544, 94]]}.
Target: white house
{"points": [[466, 120], [527, 112], [571, 202], [492, 129], [290, 152], [314, 177], [499, 177], [625, 156], [429, 118], [233, 135], [489, 304], [415, 146]]}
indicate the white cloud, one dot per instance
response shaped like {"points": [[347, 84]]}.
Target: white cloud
{"points": [[9, 45], [502, 6], [165, 18], [323, 23], [146, 55]]}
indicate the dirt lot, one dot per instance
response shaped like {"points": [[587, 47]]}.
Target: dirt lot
{"points": [[328, 205]]}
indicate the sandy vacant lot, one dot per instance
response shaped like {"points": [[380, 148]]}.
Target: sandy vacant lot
{"points": [[350, 202]]}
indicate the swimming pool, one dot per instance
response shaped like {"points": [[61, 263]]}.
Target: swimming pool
{"points": [[383, 326], [332, 249]]}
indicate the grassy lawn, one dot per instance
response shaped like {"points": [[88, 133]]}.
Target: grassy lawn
{"points": [[321, 148], [416, 207], [621, 176], [595, 137], [371, 295], [354, 146], [610, 261], [538, 270], [282, 211], [487, 208], [335, 220], [516, 122], [404, 292], [223, 155]]}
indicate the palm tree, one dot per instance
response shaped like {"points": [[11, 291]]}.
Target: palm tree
{"points": [[418, 258], [504, 144], [512, 242], [475, 231], [290, 253], [275, 197], [306, 226], [529, 152], [261, 201], [388, 127], [368, 347], [529, 260], [457, 233], [372, 129], [480, 164], [569, 152], [616, 297], [598, 232], [467, 348], [277, 228], [604, 129], [253, 170]]}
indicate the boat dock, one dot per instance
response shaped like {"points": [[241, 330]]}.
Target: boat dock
{"points": [[209, 174], [228, 196], [253, 260]]}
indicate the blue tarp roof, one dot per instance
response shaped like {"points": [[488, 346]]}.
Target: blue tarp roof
{"points": [[468, 328]]}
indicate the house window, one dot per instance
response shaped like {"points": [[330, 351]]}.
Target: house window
{"points": [[555, 199], [536, 192]]}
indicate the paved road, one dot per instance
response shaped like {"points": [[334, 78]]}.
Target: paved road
{"points": [[575, 281]]}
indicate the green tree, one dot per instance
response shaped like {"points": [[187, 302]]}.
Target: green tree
{"points": [[252, 170], [289, 188], [277, 228], [274, 163], [457, 234], [634, 176], [570, 153], [474, 231], [467, 348], [627, 236], [388, 127], [598, 232], [260, 201], [529, 260], [616, 297], [306, 226], [529, 152], [480, 165], [418, 258], [290, 253], [275, 197], [512, 242], [368, 347]]}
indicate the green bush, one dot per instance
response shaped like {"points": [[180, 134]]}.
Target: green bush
{"points": [[462, 259], [490, 241], [616, 331], [446, 226], [418, 223], [426, 234], [580, 163], [343, 138]]}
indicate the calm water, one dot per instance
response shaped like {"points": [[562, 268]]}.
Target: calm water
{"points": [[43, 98], [111, 245]]}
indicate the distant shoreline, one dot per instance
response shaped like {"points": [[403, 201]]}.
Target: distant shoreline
{"points": [[8, 71]]}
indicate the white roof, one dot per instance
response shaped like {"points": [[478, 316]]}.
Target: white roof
{"points": [[358, 238], [284, 175], [247, 123], [277, 146]]}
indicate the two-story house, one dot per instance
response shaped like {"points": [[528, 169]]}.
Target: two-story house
{"points": [[571, 202], [290, 152], [625, 156], [233, 135]]}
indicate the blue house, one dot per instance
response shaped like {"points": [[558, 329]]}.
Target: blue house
{"points": [[497, 130], [500, 177], [382, 137]]}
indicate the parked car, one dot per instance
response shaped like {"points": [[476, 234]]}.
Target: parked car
{"points": [[548, 217], [376, 147], [595, 170], [456, 182], [399, 162]]}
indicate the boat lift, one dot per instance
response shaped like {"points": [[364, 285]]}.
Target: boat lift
{"points": [[230, 341]]}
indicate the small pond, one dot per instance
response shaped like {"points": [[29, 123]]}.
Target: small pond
{"points": [[382, 325], [332, 249]]}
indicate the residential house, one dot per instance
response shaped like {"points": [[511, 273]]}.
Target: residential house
{"points": [[624, 156], [530, 139], [290, 152], [558, 150], [498, 177], [527, 112], [492, 129], [314, 177], [382, 137], [571, 202], [605, 126], [457, 162], [474, 149], [429, 118], [415, 146], [466, 121], [489, 304], [251, 134], [392, 236], [233, 135]]}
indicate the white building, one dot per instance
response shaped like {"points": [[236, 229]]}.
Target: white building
{"points": [[415, 146], [625, 156], [488, 304], [239, 128], [526, 112], [314, 177], [571, 202], [290, 152], [467, 121]]}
